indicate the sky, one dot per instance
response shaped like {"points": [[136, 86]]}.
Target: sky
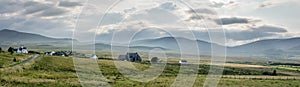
{"points": [[243, 21]]}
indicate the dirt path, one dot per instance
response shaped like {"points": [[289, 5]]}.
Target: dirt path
{"points": [[29, 60]]}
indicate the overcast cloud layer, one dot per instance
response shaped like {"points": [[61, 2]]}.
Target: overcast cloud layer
{"points": [[57, 18]]}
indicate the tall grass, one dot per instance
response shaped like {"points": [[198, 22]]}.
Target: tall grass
{"points": [[59, 72]]}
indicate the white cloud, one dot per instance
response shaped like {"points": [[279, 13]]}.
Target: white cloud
{"points": [[223, 3], [69, 4], [38, 16], [272, 3], [56, 18], [238, 29], [236, 20]]}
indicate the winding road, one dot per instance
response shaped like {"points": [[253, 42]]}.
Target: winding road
{"points": [[29, 60]]}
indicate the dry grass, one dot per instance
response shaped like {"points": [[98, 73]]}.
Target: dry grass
{"points": [[59, 71]]}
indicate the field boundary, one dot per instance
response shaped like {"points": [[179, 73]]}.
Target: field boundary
{"points": [[262, 77]]}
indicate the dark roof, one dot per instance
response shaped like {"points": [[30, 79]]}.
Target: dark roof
{"points": [[183, 60], [133, 54], [123, 56]]}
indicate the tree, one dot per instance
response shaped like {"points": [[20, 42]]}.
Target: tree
{"points": [[15, 60], [274, 73], [0, 50], [11, 50]]}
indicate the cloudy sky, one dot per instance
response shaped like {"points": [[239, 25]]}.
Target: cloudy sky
{"points": [[243, 20]]}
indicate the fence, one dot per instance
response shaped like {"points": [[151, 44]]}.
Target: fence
{"points": [[262, 77]]}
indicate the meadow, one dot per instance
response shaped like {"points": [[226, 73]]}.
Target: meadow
{"points": [[51, 71], [9, 60]]}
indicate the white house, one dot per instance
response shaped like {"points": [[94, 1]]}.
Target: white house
{"points": [[183, 62], [22, 49], [50, 53], [94, 57]]}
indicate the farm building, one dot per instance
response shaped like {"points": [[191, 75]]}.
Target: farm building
{"points": [[49, 53], [59, 53], [22, 49], [183, 62], [132, 57], [94, 57]]}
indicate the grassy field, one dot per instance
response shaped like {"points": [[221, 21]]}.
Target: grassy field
{"points": [[47, 71], [59, 72], [7, 60]]}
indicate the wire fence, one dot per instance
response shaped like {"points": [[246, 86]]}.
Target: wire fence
{"points": [[262, 77]]}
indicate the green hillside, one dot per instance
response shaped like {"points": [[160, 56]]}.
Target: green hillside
{"points": [[7, 60]]}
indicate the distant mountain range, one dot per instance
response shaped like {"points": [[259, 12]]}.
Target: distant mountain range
{"points": [[272, 48], [264, 48], [268, 48], [177, 43], [12, 36], [283, 44]]}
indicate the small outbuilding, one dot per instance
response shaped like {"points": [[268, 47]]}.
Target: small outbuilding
{"points": [[183, 62], [155, 60], [94, 57], [50, 53]]}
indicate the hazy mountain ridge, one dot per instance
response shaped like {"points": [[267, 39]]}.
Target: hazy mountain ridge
{"points": [[275, 48], [295, 48], [12, 36], [270, 47], [176, 43], [283, 44]]}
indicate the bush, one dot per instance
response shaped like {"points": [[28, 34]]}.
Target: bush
{"points": [[15, 60], [274, 73], [154, 60]]}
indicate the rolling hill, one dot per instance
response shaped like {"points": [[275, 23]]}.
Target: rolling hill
{"points": [[263, 48], [260, 48], [177, 43], [267, 48], [282, 44], [272, 48], [295, 48], [12, 36]]}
